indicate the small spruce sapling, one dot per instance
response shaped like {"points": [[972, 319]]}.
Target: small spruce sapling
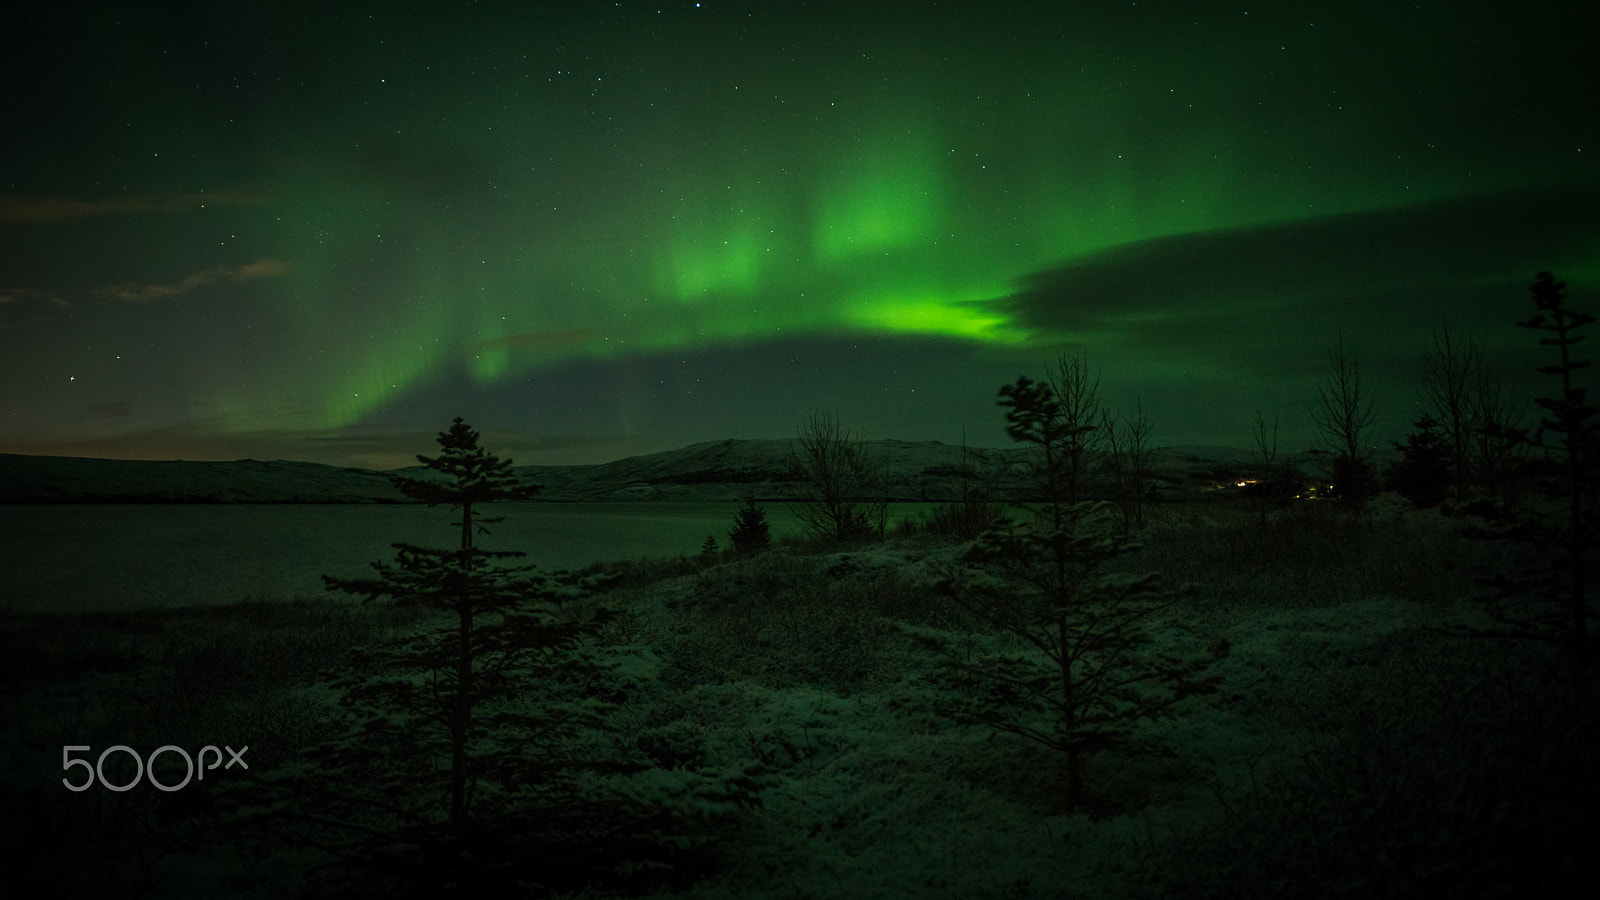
{"points": [[750, 533], [1422, 475]]}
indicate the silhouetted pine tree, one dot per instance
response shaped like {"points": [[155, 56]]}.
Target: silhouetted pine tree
{"points": [[462, 583], [1551, 602], [473, 753], [1089, 674], [1422, 475], [750, 533]]}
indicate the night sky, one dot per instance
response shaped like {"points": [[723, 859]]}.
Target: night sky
{"points": [[320, 231]]}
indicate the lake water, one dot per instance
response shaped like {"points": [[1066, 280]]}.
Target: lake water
{"points": [[124, 557]]}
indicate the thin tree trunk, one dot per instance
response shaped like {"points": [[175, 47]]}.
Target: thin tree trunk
{"points": [[461, 718]]}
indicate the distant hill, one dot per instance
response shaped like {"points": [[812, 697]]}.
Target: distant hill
{"points": [[730, 469], [711, 471], [71, 479]]}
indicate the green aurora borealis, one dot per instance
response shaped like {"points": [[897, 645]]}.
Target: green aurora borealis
{"points": [[318, 231]]}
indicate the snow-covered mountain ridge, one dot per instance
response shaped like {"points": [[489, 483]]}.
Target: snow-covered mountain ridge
{"points": [[709, 471]]}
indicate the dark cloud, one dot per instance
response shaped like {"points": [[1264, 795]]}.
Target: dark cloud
{"points": [[1263, 300], [1359, 258]]}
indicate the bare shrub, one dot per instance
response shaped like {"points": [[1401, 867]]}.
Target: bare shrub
{"points": [[844, 482]]}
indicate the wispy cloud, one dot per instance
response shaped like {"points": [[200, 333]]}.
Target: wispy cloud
{"points": [[134, 292], [21, 295], [18, 303], [261, 268], [63, 209]]}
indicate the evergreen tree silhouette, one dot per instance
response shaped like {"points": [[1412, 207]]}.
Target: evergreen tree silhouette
{"points": [[1422, 475], [1088, 673], [495, 607], [1550, 601], [470, 756], [750, 533]]}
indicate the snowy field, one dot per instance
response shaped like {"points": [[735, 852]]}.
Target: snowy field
{"points": [[74, 558], [1349, 751]]}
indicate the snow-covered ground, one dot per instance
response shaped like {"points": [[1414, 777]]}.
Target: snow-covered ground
{"points": [[1349, 747]]}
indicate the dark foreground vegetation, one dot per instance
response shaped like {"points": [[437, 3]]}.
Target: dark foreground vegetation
{"points": [[1350, 750]]}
